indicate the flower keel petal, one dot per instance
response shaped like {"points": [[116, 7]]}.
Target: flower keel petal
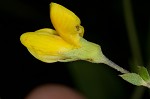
{"points": [[45, 46]]}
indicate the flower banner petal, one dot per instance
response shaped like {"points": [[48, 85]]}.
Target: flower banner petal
{"points": [[66, 23]]}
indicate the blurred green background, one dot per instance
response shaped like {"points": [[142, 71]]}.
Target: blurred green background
{"points": [[121, 27]]}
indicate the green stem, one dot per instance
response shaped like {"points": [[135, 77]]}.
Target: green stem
{"points": [[134, 44], [148, 47], [114, 66], [132, 32]]}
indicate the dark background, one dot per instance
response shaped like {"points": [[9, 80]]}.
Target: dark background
{"points": [[104, 24]]}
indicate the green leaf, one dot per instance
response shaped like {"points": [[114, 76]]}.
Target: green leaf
{"points": [[133, 78], [142, 71]]}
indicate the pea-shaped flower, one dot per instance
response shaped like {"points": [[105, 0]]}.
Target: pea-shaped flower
{"points": [[65, 43]]}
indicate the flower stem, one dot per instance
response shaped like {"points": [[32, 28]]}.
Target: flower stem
{"points": [[134, 43], [132, 33], [114, 66]]}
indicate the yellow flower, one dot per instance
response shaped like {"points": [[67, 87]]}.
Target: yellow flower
{"points": [[65, 43]]}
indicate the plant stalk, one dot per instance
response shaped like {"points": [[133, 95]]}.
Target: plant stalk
{"points": [[115, 66]]}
